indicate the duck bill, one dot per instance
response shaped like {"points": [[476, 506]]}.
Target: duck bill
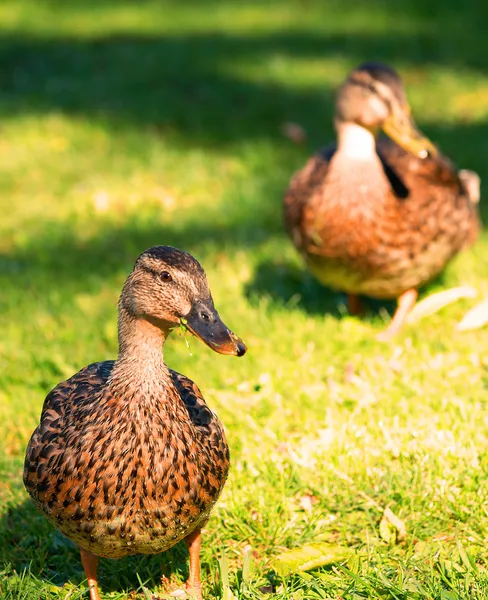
{"points": [[203, 321], [402, 130]]}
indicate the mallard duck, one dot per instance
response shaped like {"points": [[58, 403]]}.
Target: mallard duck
{"points": [[380, 217], [128, 458]]}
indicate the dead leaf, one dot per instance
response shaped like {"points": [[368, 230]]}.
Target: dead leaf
{"points": [[282, 448], [392, 528], [294, 132], [101, 201], [307, 501], [309, 557], [349, 374], [475, 318], [267, 589]]}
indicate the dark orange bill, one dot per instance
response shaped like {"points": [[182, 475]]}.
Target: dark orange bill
{"points": [[203, 321], [399, 126]]}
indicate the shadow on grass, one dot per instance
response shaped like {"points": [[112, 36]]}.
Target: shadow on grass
{"points": [[28, 541], [291, 286], [184, 86], [69, 259]]}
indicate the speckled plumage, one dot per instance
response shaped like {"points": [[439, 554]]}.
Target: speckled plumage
{"points": [[380, 217], [379, 227], [126, 476], [128, 458]]}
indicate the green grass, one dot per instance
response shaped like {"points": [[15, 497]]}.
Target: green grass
{"points": [[125, 125]]}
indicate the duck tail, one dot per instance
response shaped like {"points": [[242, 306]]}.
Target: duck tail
{"points": [[470, 181]]}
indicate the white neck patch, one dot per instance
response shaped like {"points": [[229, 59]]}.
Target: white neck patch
{"points": [[354, 141]]}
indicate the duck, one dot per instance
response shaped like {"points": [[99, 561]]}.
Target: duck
{"points": [[128, 458], [380, 216]]}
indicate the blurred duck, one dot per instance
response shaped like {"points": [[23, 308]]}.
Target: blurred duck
{"points": [[128, 458], [380, 217]]}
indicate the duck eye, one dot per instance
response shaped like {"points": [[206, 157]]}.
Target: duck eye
{"points": [[165, 276]]}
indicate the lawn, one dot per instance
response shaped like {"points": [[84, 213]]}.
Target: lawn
{"points": [[130, 124]]}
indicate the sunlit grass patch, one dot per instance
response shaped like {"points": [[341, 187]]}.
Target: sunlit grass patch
{"points": [[126, 125]]}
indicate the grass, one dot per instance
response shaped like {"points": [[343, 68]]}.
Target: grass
{"points": [[125, 125]]}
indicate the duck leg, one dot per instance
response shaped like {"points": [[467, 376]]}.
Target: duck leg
{"points": [[405, 303], [193, 584], [90, 564], [354, 305]]}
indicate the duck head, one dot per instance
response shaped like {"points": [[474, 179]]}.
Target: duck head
{"points": [[373, 97], [168, 288]]}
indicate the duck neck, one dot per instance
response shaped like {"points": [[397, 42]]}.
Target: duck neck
{"points": [[140, 361], [355, 142], [355, 177]]}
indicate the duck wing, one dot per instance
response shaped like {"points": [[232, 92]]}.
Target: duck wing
{"points": [[58, 425], [435, 191]]}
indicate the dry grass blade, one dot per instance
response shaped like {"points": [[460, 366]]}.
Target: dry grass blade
{"points": [[348, 480], [392, 528], [227, 593], [475, 318], [436, 302]]}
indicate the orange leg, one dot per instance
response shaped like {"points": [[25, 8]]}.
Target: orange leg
{"points": [[405, 303], [193, 584], [354, 305], [90, 564]]}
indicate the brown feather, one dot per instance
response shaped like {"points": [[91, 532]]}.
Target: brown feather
{"points": [[128, 458], [121, 481], [383, 227]]}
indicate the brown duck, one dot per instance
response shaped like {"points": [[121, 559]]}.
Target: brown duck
{"points": [[128, 458], [380, 217]]}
